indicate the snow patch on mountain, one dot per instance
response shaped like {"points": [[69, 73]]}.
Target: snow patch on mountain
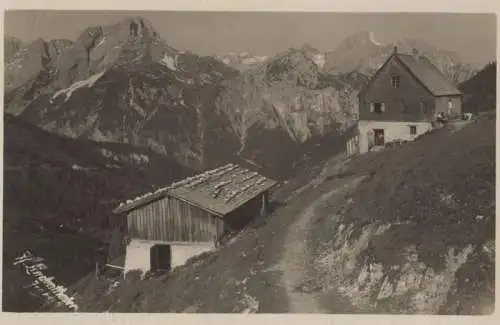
{"points": [[254, 60], [89, 82], [373, 40], [320, 60], [100, 42], [242, 61], [170, 62]]}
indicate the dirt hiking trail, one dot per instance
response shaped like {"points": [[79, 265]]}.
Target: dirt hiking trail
{"points": [[295, 260]]}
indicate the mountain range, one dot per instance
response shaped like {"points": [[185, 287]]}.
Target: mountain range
{"points": [[124, 83], [361, 52]]}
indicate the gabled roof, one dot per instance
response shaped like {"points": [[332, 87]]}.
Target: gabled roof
{"points": [[218, 191], [425, 72]]}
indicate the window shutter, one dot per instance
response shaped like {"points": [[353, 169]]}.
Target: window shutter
{"points": [[382, 107], [372, 107]]}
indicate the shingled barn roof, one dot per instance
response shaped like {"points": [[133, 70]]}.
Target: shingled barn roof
{"points": [[218, 191]]}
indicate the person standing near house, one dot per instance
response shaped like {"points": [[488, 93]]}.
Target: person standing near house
{"points": [[380, 139], [450, 107]]}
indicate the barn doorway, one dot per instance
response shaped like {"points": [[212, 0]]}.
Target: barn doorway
{"points": [[379, 137], [161, 257]]}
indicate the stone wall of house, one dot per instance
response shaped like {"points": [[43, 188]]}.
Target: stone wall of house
{"points": [[393, 131], [138, 253]]}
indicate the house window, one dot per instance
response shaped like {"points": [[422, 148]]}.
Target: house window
{"points": [[413, 129], [377, 107], [450, 106], [395, 81]]}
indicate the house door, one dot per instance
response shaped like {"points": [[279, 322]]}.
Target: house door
{"points": [[450, 107], [379, 137], [161, 257]]}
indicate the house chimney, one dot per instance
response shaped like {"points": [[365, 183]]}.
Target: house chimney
{"points": [[415, 53], [395, 49]]}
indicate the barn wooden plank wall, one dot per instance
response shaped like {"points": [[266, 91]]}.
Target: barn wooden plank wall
{"points": [[352, 146], [244, 214], [170, 219]]}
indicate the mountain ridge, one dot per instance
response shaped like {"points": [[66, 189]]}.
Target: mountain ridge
{"points": [[362, 52], [117, 82], [122, 93]]}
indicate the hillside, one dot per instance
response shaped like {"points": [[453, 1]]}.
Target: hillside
{"points": [[58, 196], [436, 199], [328, 246], [480, 90]]}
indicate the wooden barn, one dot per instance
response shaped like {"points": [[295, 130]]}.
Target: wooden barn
{"points": [[189, 217], [405, 98]]}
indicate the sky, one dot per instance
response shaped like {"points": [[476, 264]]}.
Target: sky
{"points": [[472, 36]]}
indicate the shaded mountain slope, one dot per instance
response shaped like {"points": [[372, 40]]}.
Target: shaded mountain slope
{"points": [[144, 105], [58, 196], [480, 90]]}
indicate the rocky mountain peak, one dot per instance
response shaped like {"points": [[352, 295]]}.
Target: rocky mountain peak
{"points": [[296, 66], [89, 37], [11, 45], [26, 62], [307, 48]]}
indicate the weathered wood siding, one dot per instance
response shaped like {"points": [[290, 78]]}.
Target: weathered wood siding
{"points": [[352, 146], [244, 214], [411, 101], [170, 219]]}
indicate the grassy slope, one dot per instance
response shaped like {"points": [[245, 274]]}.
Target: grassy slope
{"points": [[435, 188], [410, 183], [42, 191]]}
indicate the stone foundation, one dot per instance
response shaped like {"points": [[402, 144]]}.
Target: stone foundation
{"points": [[138, 253], [393, 131]]}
